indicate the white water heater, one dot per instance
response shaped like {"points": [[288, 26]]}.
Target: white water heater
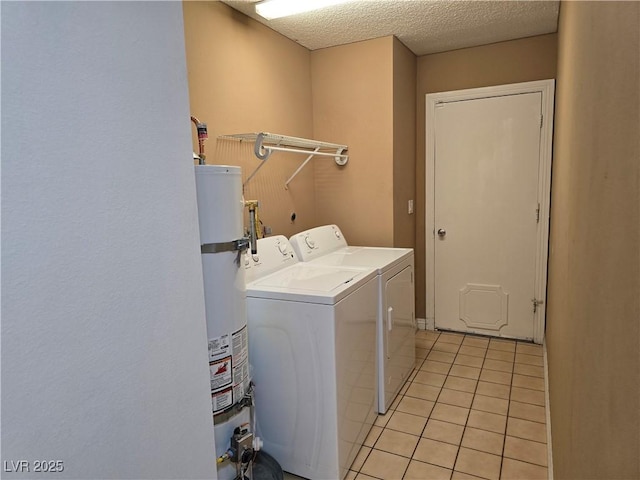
{"points": [[220, 215]]}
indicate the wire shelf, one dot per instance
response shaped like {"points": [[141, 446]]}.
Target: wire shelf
{"points": [[266, 143]]}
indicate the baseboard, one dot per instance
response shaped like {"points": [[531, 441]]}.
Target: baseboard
{"points": [[425, 324], [548, 412]]}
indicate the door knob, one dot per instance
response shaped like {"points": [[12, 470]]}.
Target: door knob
{"points": [[441, 232]]}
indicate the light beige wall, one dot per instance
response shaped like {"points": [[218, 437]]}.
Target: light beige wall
{"points": [[404, 144], [353, 105], [593, 313], [514, 61], [244, 77]]}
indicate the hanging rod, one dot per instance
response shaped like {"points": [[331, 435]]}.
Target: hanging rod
{"points": [[267, 143]]}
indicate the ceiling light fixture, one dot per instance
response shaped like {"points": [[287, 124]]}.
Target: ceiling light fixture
{"points": [[271, 9]]}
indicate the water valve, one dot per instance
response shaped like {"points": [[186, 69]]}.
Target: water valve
{"points": [[242, 444]]}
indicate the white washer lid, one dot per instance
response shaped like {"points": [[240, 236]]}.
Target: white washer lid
{"points": [[310, 283], [380, 258]]}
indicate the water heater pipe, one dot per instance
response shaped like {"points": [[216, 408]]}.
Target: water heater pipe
{"points": [[253, 237], [202, 136], [252, 205]]}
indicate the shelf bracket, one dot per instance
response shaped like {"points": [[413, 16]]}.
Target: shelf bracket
{"points": [[258, 148], [253, 174], [286, 184]]}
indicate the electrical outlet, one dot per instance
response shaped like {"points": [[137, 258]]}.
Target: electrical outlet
{"points": [[410, 207]]}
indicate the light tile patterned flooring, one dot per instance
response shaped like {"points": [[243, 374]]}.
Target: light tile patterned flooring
{"points": [[473, 408]]}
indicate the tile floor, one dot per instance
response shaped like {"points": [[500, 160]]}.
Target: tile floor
{"points": [[473, 408]]}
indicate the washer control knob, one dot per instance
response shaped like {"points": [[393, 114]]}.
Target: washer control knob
{"points": [[309, 241], [283, 248]]}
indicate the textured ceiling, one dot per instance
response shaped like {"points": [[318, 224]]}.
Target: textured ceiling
{"points": [[424, 26]]}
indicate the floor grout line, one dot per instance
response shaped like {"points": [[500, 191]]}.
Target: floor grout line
{"points": [[420, 363], [506, 426]]}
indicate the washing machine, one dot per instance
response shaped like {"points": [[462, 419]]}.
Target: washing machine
{"points": [[396, 323], [312, 332]]}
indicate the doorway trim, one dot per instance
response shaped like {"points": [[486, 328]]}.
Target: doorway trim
{"points": [[546, 89]]}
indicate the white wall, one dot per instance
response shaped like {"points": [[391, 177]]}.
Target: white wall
{"points": [[104, 361]]}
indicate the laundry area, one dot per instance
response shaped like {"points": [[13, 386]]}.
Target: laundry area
{"points": [[320, 146], [308, 339], [245, 247]]}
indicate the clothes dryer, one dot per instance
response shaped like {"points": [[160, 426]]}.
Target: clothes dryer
{"points": [[312, 331], [396, 324]]}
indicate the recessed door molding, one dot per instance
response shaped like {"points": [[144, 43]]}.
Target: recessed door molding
{"points": [[546, 89]]}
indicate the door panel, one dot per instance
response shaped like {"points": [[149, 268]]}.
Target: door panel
{"points": [[487, 155]]}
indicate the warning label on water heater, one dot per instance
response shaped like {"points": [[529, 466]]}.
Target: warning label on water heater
{"points": [[222, 400], [240, 345], [219, 347], [240, 362], [221, 373], [229, 368]]}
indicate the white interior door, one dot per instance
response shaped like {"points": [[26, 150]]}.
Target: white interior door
{"points": [[486, 214]]}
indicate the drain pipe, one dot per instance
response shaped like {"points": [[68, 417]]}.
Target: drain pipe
{"points": [[202, 136]]}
